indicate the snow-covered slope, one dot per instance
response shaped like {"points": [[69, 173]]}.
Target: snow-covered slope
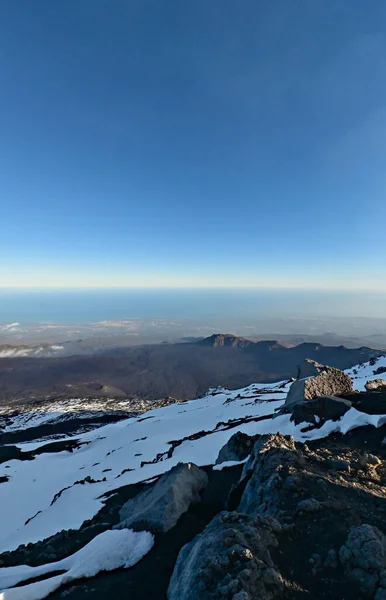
{"points": [[59, 411], [366, 372], [56, 491], [7, 351], [107, 551]]}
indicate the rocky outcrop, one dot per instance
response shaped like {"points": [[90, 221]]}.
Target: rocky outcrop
{"points": [[319, 410], [237, 448], [225, 340], [379, 370], [229, 559], [310, 368], [329, 382], [273, 457], [364, 558], [375, 384], [158, 508]]}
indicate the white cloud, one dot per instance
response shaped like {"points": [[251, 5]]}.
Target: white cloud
{"points": [[10, 327]]}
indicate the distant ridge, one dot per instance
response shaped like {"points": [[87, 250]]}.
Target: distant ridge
{"points": [[225, 339], [183, 370]]}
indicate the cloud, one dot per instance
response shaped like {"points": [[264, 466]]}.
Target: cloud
{"points": [[11, 326]]}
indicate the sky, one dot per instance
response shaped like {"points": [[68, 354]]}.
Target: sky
{"points": [[222, 143]]}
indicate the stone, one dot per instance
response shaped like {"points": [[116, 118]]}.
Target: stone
{"points": [[331, 561], [292, 483], [363, 557], [229, 559], [382, 576], [237, 448], [158, 508], [309, 368], [315, 560], [329, 382], [375, 384], [310, 505], [338, 465], [265, 472], [319, 410], [369, 461]]}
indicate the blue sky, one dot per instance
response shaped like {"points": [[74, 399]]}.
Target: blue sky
{"points": [[175, 143]]}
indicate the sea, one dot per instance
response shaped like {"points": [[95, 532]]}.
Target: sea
{"points": [[94, 305]]}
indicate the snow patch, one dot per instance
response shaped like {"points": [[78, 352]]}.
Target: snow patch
{"points": [[106, 552]]}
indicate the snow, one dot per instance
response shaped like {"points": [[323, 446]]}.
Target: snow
{"points": [[126, 452], [106, 552], [229, 463], [365, 372], [62, 410], [114, 447]]}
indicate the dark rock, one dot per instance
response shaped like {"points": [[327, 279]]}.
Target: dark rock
{"points": [[237, 448], [10, 453], [319, 410], [292, 483], [329, 382], [331, 561], [315, 560], [158, 508], [372, 403], [364, 557], [322, 484], [271, 458], [229, 559], [310, 505], [338, 465]]}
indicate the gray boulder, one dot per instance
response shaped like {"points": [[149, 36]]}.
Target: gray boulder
{"points": [[329, 382], [238, 447], [364, 559], [319, 410], [272, 459], [338, 465], [375, 384], [229, 559], [158, 508], [309, 368], [310, 505]]}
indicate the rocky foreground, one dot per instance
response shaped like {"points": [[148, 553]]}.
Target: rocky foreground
{"points": [[285, 499]]}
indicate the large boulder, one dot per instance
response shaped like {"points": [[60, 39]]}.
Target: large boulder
{"points": [[309, 368], [158, 508], [238, 447], [329, 382], [229, 559], [363, 557], [375, 384], [319, 410], [272, 459]]}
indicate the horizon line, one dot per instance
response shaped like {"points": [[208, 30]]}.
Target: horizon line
{"points": [[347, 288]]}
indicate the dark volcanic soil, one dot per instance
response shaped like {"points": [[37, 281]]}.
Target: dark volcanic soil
{"points": [[181, 371]]}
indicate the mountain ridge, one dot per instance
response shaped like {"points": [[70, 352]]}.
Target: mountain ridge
{"points": [[182, 371]]}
